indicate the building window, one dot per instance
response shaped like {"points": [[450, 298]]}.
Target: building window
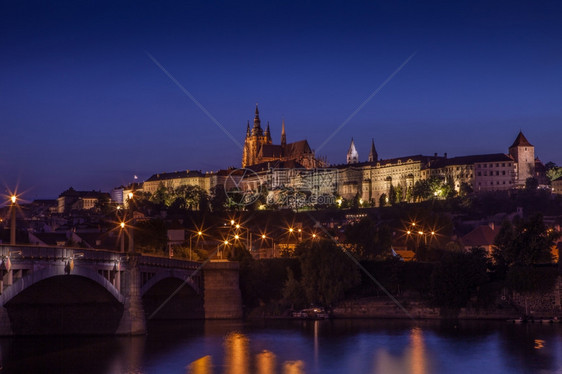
{"points": [[479, 174], [503, 164], [503, 172]]}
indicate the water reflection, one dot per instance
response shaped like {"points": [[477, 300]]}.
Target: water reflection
{"points": [[237, 354], [279, 347], [266, 363], [412, 360], [202, 366]]}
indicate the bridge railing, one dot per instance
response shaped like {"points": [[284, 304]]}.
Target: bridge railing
{"points": [[99, 255], [57, 253]]}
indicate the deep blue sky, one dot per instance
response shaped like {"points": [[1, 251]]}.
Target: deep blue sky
{"points": [[82, 104]]}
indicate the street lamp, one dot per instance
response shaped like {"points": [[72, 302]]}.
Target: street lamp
{"points": [[131, 226], [198, 234], [14, 199], [122, 233]]}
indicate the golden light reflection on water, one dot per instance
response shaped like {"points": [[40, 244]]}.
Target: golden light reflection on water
{"points": [[237, 360], [293, 367], [237, 354], [414, 360], [265, 363], [202, 366], [418, 361], [539, 344]]}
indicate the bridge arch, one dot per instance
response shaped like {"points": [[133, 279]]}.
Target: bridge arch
{"points": [[181, 275], [167, 295], [52, 271]]}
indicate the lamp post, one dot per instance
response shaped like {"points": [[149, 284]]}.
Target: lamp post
{"points": [[122, 225], [131, 227], [14, 199], [198, 234]]}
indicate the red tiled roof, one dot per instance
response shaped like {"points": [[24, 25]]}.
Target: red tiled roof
{"points": [[480, 236], [521, 141]]}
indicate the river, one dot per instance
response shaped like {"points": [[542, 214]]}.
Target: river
{"points": [[282, 346]]}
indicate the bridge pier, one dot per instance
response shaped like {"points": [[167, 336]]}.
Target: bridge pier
{"points": [[133, 321], [222, 297]]}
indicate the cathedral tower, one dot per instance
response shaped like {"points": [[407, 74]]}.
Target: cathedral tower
{"points": [[254, 141]]}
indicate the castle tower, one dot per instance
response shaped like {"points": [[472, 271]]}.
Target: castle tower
{"points": [[523, 153], [373, 156], [352, 155]]}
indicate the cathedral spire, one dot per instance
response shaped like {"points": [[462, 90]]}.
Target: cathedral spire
{"points": [[267, 133], [352, 155], [257, 123], [248, 129], [283, 136], [373, 156]]}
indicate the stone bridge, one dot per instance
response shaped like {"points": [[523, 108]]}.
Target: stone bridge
{"points": [[57, 290]]}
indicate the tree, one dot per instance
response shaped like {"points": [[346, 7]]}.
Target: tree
{"points": [[465, 189], [553, 171], [161, 196], [327, 272], [218, 199], [382, 200], [421, 190], [392, 195], [457, 278], [369, 240], [293, 293], [525, 243]]}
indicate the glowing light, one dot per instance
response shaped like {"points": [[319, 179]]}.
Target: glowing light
{"points": [[232, 222], [361, 201], [226, 242], [263, 236], [13, 198], [122, 224], [236, 237], [420, 232], [130, 195], [339, 201], [314, 235], [300, 230], [291, 229], [433, 233], [237, 226], [199, 233], [408, 232], [413, 223]]}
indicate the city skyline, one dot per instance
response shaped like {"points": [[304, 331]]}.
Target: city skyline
{"points": [[85, 103]]}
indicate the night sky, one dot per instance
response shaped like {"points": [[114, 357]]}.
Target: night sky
{"points": [[82, 103]]}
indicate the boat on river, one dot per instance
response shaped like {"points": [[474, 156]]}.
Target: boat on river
{"points": [[312, 313]]}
